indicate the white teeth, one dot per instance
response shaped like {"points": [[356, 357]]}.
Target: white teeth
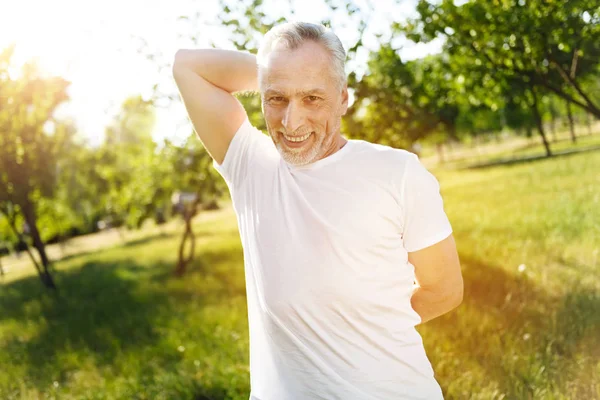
{"points": [[297, 139]]}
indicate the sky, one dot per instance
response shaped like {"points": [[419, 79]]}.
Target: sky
{"points": [[93, 45]]}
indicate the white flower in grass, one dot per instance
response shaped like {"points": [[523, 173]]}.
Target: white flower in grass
{"points": [[522, 268], [181, 349], [526, 336], [55, 384]]}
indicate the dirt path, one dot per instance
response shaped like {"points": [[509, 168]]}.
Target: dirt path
{"points": [[101, 240]]}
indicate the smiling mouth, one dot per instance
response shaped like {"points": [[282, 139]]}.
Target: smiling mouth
{"points": [[297, 139]]}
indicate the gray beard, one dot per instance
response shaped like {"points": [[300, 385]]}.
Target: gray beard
{"points": [[302, 157], [306, 155]]}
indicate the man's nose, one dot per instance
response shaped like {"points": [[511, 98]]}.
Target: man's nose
{"points": [[293, 117]]}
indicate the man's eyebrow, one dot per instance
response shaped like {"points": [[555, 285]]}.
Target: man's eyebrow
{"points": [[311, 91], [300, 92], [273, 91]]}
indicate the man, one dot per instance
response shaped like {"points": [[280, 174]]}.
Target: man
{"points": [[334, 231]]}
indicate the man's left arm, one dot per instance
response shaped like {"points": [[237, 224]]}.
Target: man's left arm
{"points": [[439, 279]]}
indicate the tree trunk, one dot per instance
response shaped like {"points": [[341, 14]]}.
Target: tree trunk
{"points": [[440, 151], [588, 122], [571, 123], [538, 121], [120, 231], [183, 261], [553, 120], [44, 272], [37, 266], [11, 222]]}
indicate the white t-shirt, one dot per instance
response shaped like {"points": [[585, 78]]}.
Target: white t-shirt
{"points": [[328, 280]]}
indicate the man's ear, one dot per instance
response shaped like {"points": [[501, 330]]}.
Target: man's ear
{"points": [[344, 105]]}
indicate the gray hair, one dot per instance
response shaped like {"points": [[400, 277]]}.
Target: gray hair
{"points": [[294, 34]]}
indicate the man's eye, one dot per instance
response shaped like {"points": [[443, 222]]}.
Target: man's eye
{"points": [[313, 98], [276, 98]]}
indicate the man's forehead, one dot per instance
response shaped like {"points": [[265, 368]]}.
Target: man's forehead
{"points": [[298, 71], [310, 54]]}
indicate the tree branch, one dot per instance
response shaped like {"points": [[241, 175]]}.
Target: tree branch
{"points": [[588, 107], [571, 81]]}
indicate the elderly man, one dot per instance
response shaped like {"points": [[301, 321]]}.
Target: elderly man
{"points": [[335, 231]]}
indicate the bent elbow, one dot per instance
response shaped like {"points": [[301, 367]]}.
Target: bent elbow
{"points": [[177, 60], [179, 55], [458, 298], [181, 59]]}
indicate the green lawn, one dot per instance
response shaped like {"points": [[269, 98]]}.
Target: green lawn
{"points": [[514, 147], [529, 327]]}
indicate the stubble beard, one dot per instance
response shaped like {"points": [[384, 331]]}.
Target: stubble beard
{"points": [[315, 150]]}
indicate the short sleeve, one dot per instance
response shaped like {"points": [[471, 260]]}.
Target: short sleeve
{"points": [[425, 222], [247, 146]]}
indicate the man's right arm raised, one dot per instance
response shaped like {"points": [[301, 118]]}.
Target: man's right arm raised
{"points": [[207, 79]]}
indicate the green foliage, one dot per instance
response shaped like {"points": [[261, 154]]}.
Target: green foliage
{"points": [[193, 171], [27, 155], [551, 44], [71, 186], [247, 22], [78, 200], [137, 178], [252, 105], [473, 121], [27, 164], [437, 98], [398, 103], [127, 164]]}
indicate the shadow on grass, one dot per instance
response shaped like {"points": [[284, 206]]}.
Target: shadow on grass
{"points": [[200, 234], [225, 264], [527, 323], [99, 311], [552, 142], [105, 309], [527, 159], [150, 239], [125, 243]]}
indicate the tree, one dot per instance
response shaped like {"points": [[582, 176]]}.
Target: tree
{"points": [[27, 167], [398, 103], [193, 174], [552, 45], [74, 207], [125, 164]]}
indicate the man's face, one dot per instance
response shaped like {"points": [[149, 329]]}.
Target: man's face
{"points": [[302, 103]]}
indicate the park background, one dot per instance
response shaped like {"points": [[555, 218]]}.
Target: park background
{"points": [[121, 265]]}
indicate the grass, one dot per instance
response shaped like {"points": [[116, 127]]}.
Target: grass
{"points": [[123, 327], [536, 150], [511, 148], [529, 241], [529, 327]]}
